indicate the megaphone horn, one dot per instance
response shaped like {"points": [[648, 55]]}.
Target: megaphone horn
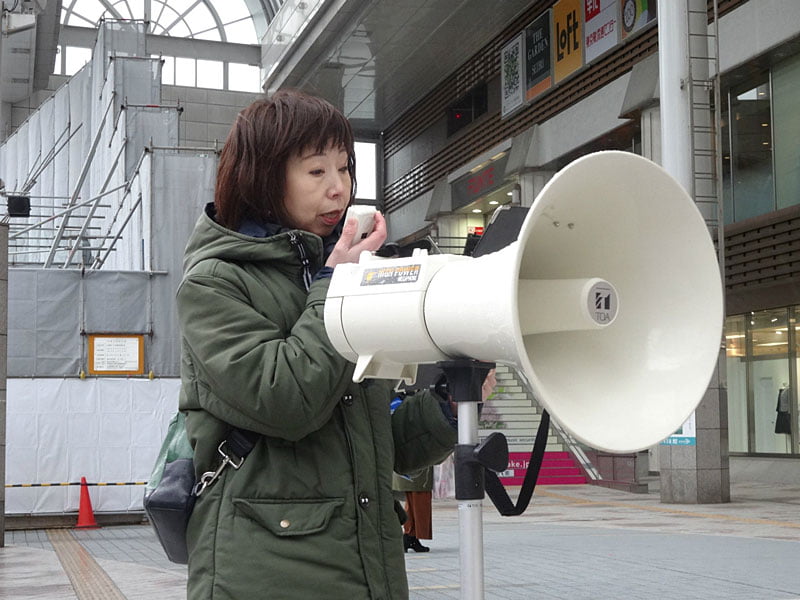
{"points": [[609, 304]]}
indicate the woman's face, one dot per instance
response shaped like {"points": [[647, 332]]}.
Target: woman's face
{"points": [[317, 189]]}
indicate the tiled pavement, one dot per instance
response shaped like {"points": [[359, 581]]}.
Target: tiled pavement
{"points": [[573, 543]]}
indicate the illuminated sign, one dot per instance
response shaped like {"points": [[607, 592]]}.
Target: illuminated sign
{"points": [[538, 57], [568, 55], [600, 27]]}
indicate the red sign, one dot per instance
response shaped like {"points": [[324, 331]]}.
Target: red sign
{"points": [[481, 181], [592, 9], [517, 467]]}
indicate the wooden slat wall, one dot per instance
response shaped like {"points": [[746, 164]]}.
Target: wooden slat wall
{"points": [[490, 130], [763, 251]]}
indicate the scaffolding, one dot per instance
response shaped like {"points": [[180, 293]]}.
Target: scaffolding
{"points": [[80, 156], [113, 198]]}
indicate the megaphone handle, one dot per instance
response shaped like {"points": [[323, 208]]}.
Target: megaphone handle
{"points": [[497, 492]]}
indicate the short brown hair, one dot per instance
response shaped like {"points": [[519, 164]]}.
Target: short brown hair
{"points": [[251, 176]]}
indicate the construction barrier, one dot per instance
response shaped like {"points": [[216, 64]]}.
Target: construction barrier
{"points": [[66, 483]]}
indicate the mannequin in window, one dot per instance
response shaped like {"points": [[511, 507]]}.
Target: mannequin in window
{"points": [[783, 423]]}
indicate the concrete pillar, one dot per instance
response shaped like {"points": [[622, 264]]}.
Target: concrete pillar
{"points": [[3, 370], [650, 123], [531, 183], [690, 474]]}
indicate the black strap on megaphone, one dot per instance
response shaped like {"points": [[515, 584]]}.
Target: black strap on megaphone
{"points": [[494, 487]]}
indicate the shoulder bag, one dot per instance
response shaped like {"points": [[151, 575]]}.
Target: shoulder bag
{"points": [[171, 491]]}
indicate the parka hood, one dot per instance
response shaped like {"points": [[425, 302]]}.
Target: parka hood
{"points": [[211, 240]]}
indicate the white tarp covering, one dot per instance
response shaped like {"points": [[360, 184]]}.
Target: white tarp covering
{"points": [[85, 140], [51, 312], [106, 430]]}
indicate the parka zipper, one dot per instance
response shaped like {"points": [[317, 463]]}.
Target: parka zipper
{"points": [[295, 240]]}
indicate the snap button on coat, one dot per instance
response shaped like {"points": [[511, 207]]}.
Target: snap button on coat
{"points": [[363, 500], [347, 399]]}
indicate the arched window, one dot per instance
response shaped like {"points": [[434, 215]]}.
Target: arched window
{"points": [[240, 21], [227, 21]]}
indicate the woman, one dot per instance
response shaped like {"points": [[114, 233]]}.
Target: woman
{"points": [[309, 514], [418, 492]]}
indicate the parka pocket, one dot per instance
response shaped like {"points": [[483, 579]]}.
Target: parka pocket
{"points": [[289, 517]]}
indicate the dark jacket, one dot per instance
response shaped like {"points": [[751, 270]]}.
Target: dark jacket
{"points": [[310, 513]]}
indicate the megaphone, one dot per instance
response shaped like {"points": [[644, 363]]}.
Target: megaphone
{"points": [[609, 304]]}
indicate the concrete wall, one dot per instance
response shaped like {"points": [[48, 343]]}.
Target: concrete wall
{"points": [[755, 28], [208, 114]]}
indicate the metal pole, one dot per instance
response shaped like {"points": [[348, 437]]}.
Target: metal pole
{"points": [[470, 515], [81, 178], [66, 211], [673, 65], [464, 380]]}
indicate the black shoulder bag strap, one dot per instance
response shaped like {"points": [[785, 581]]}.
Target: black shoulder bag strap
{"points": [[494, 487]]}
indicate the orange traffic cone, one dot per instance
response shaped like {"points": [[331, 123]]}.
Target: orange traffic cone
{"points": [[85, 513]]}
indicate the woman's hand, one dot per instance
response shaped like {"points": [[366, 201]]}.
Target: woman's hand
{"points": [[487, 389], [343, 252]]}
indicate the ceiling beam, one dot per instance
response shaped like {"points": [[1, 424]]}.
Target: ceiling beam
{"points": [[85, 37]]}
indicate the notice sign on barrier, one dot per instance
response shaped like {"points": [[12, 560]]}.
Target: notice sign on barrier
{"points": [[116, 354]]}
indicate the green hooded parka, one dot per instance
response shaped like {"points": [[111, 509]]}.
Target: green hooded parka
{"points": [[310, 513]]}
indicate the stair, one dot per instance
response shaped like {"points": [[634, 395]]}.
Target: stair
{"points": [[558, 468], [515, 413]]}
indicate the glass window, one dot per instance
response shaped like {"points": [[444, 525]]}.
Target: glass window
{"points": [[57, 70], [209, 74], [244, 78], [185, 71], [366, 167], [786, 91], [727, 183], [241, 31], [467, 108], [751, 150], [75, 58], [180, 18], [168, 70], [794, 399], [83, 13], [770, 343], [736, 369]]}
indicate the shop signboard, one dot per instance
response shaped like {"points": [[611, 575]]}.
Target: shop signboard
{"points": [[475, 185], [538, 56], [568, 52], [635, 14], [512, 60], [600, 27]]}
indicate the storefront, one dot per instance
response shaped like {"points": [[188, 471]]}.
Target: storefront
{"points": [[762, 355]]}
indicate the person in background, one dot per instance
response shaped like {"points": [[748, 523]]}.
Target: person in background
{"points": [[419, 509], [418, 489], [309, 513]]}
